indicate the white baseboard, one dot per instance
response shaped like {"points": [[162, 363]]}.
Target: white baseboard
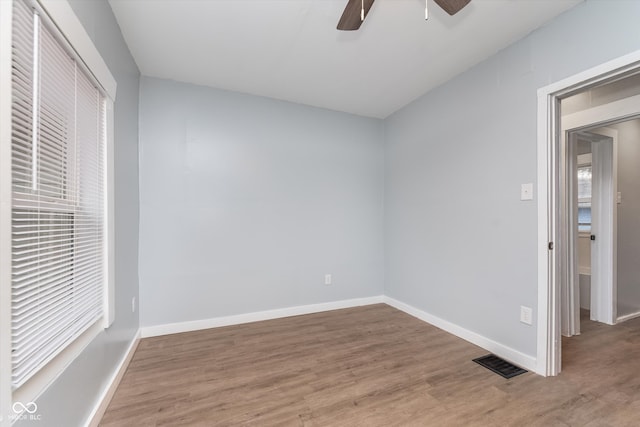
{"points": [[109, 391], [507, 353], [628, 317], [195, 325], [514, 356]]}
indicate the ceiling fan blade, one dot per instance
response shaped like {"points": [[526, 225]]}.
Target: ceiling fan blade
{"points": [[452, 6], [351, 17]]}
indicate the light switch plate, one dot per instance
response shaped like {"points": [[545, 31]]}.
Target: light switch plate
{"points": [[526, 192], [526, 315]]}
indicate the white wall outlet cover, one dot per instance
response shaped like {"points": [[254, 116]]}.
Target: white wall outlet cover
{"points": [[327, 279], [526, 191]]}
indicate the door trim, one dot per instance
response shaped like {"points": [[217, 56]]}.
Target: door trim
{"points": [[569, 285], [604, 226], [548, 142]]}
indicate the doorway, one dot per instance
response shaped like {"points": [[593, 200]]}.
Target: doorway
{"points": [[589, 284], [596, 300], [554, 249]]}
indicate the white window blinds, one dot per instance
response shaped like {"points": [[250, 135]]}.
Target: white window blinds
{"points": [[58, 197]]}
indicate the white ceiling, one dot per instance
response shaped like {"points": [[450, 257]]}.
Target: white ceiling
{"points": [[291, 50]]}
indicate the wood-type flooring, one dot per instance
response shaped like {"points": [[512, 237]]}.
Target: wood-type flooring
{"points": [[370, 366]]}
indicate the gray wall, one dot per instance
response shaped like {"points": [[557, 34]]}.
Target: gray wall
{"points": [[628, 217], [72, 397], [459, 242], [246, 203]]}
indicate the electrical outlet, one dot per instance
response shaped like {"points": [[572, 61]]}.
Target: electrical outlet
{"points": [[327, 279], [526, 315], [133, 304], [526, 192]]}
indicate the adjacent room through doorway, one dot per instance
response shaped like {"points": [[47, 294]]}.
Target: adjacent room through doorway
{"points": [[601, 283]]}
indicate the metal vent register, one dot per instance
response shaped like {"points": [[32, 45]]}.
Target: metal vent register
{"points": [[499, 366]]}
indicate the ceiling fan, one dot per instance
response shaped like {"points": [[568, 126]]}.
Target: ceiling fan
{"points": [[356, 10]]}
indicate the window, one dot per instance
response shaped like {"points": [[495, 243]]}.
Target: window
{"points": [[59, 204], [584, 193]]}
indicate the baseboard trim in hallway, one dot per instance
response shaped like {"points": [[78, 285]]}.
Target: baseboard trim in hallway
{"points": [[627, 317]]}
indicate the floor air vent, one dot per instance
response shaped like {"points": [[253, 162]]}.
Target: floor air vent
{"points": [[499, 366]]}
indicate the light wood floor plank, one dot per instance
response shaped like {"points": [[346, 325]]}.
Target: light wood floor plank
{"points": [[370, 366]]}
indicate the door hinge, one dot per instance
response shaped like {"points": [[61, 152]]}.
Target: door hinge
{"points": [[550, 246]]}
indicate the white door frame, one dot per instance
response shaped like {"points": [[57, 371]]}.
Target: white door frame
{"points": [[548, 359]]}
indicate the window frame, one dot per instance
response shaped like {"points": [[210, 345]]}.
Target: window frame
{"points": [[60, 14], [583, 160]]}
